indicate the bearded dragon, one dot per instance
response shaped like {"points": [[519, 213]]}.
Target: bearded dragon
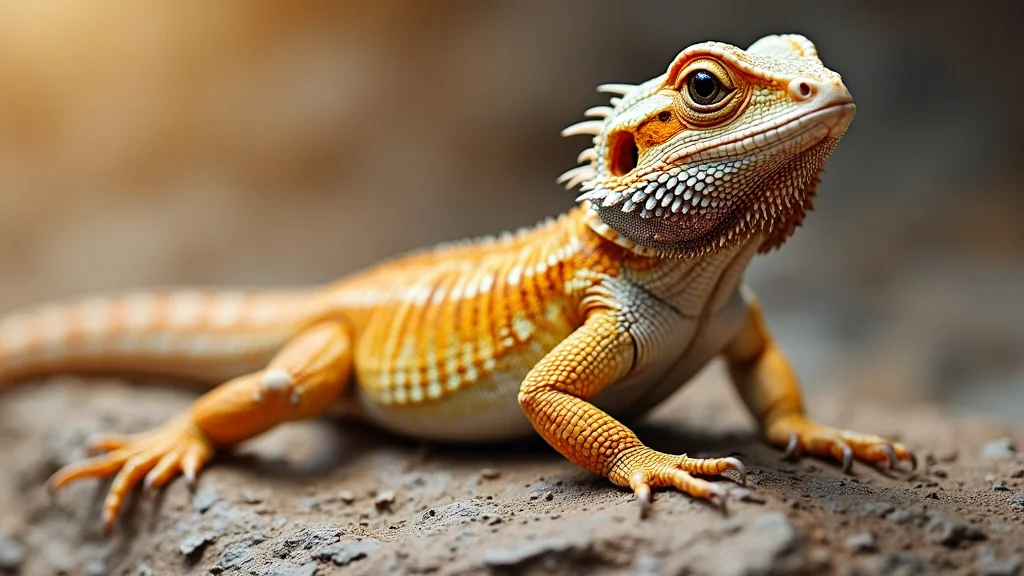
{"points": [[569, 329]]}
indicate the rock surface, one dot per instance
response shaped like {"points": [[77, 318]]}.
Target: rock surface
{"points": [[313, 497]]}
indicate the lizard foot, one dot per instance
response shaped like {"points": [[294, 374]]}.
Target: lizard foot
{"points": [[801, 436], [154, 458], [645, 469]]}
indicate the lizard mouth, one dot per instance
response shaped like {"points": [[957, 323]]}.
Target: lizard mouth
{"points": [[758, 180], [834, 118]]}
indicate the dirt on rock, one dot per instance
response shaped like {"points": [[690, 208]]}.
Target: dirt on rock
{"points": [[326, 497]]}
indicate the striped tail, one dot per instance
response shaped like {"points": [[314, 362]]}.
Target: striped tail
{"points": [[205, 336]]}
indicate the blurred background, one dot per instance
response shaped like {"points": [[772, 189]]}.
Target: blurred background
{"points": [[265, 144]]}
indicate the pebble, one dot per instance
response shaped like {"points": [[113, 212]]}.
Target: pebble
{"points": [[344, 553], [195, 543], [950, 534], [1000, 486], [307, 505], [11, 554], [877, 509], [250, 497], [903, 563], [1002, 449], [203, 500], [862, 542], [908, 515], [237, 553], [347, 496], [384, 499], [490, 473], [306, 538]]}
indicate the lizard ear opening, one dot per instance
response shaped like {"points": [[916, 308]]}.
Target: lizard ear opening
{"points": [[624, 153]]}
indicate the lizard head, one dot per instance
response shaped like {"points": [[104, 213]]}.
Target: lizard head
{"points": [[726, 145]]}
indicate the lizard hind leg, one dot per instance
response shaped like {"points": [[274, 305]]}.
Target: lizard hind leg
{"points": [[303, 380], [768, 386]]}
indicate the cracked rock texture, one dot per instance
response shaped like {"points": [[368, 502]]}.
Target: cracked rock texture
{"points": [[321, 497]]}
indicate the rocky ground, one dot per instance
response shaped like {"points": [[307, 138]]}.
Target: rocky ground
{"points": [[323, 498]]}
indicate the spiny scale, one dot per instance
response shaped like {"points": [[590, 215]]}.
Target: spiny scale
{"points": [[620, 89], [698, 185], [586, 127]]}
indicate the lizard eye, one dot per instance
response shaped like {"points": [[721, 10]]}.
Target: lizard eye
{"points": [[704, 88]]}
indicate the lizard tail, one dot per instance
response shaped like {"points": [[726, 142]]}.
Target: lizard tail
{"points": [[196, 335]]}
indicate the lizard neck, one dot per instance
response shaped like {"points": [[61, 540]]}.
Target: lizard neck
{"points": [[643, 257], [690, 283]]}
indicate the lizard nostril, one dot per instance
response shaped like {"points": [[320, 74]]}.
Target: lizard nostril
{"points": [[803, 89]]}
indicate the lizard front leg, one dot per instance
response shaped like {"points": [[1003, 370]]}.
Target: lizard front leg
{"points": [[303, 380], [555, 397], [768, 385]]}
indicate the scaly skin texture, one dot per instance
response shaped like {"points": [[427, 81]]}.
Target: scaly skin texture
{"points": [[570, 328]]}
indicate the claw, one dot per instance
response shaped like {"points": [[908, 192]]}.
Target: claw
{"points": [[51, 485], [642, 491], [643, 496], [893, 459], [847, 459], [721, 495], [735, 464], [792, 447], [109, 518], [190, 478], [913, 459]]}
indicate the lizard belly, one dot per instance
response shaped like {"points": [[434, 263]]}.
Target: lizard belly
{"points": [[487, 411]]}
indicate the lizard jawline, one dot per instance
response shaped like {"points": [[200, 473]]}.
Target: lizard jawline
{"points": [[774, 205]]}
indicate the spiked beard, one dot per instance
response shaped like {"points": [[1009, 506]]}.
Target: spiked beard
{"points": [[690, 211]]}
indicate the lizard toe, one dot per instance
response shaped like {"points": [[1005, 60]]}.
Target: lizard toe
{"points": [[106, 442], [800, 436], [152, 459], [649, 469], [713, 466]]}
